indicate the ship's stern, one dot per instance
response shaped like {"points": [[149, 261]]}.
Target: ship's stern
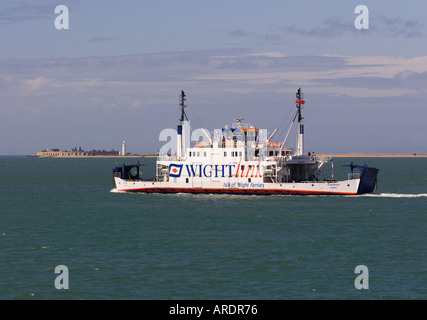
{"points": [[368, 180]]}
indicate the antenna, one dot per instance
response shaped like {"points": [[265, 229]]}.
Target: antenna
{"points": [[300, 134], [239, 122], [182, 105], [299, 101]]}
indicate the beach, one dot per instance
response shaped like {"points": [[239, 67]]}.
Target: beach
{"points": [[104, 156]]}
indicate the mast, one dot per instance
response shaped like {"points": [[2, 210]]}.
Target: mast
{"points": [[182, 105], [180, 148], [300, 134]]}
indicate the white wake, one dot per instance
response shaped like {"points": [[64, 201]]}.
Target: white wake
{"points": [[395, 195]]}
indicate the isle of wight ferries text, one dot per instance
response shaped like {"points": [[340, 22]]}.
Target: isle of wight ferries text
{"points": [[243, 185]]}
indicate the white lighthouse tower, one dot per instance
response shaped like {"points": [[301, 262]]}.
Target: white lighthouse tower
{"points": [[123, 153]]}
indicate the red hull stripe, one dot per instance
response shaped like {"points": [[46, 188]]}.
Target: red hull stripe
{"points": [[234, 191]]}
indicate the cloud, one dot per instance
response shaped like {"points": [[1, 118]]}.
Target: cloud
{"points": [[243, 68], [103, 39], [398, 27], [334, 27], [37, 85], [378, 25], [25, 12], [243, 64], [239, 33], [139, 93]]}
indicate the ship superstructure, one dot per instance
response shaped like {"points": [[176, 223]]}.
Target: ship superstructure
{"points": [[243, 159]]}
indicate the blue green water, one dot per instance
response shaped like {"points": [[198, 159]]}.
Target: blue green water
{"points": [[137, 246]]}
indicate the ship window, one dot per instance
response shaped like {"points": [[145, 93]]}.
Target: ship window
{"points": [[198, 154], [242, 167], [204, 154], [249, 179], [240, 153], [225, 153], [270, 153], [232, 153], [186, 180], [189, 154]]}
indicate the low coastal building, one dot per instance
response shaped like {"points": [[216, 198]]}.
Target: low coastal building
{"points": [[75, 152]]}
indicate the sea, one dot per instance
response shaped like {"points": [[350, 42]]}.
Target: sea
{"points": [[65, 234]]}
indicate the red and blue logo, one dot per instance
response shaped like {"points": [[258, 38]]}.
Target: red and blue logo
{"points": [[175, 170]]}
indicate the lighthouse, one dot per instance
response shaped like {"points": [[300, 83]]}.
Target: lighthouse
{"points": [[123, 153]]}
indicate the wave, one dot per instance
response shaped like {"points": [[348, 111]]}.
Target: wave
{"points": [[395, 195]]}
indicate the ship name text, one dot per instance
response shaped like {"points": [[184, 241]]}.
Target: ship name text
{"points": [[216, 170]]}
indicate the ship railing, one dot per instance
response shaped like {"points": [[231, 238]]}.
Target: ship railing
{"points": [[317, 181], [322, 158], [167, 157]]}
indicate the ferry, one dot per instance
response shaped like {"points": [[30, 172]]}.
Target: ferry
{"points": [[243, 159]]}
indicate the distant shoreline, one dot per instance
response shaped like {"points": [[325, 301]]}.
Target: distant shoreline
{"points": [[103, 156], [336, 155]]}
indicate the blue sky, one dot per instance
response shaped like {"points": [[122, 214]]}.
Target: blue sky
{"points": [[117, 72]]}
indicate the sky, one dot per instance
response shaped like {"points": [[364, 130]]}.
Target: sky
{"points": [[116, 73]]}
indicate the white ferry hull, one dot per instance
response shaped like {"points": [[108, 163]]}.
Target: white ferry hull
{"points": [[345, 187]]}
